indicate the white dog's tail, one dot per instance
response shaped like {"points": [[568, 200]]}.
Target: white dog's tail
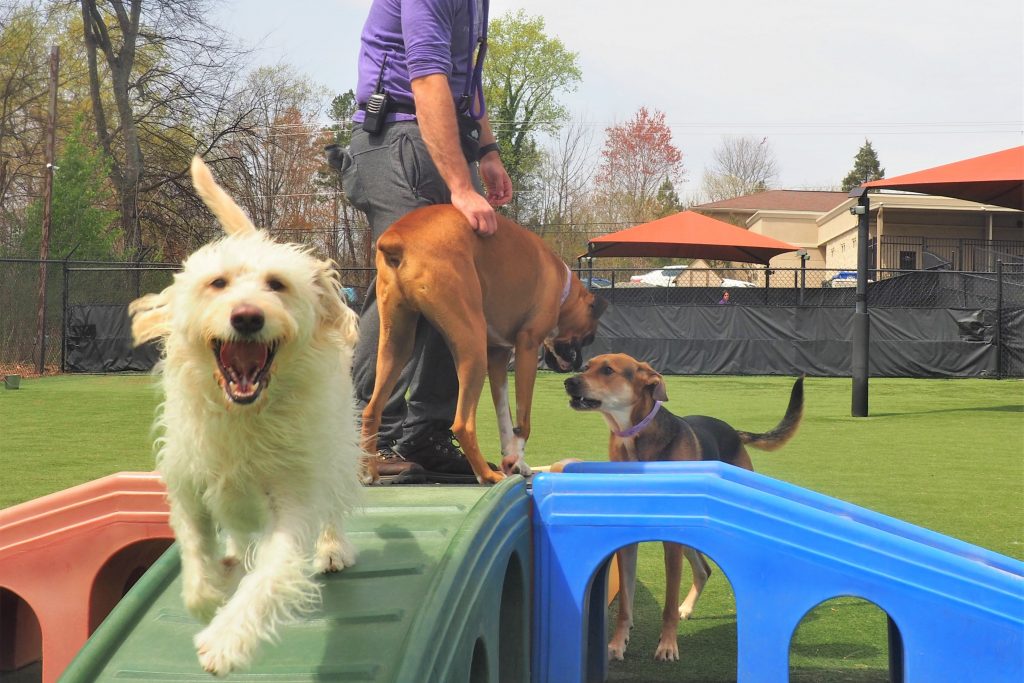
{"points": [[231, 217]]}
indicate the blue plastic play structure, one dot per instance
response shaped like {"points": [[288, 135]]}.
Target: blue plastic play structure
{"points": [[956, 610], [441, 593]]}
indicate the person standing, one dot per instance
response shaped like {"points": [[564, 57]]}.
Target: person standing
{"points": [[420, 136]]}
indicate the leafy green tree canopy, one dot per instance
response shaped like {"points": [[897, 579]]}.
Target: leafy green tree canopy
{"points": [[80, 219], [525, 72], [866, 167]]}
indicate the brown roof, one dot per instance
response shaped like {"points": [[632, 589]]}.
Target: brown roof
{"points": [[779, 200]]}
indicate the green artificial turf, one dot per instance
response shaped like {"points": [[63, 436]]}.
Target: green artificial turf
{"points": [[944, 454]]}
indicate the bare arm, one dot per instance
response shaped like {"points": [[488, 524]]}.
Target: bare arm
{"points": [[492, 171], [435, 112]]}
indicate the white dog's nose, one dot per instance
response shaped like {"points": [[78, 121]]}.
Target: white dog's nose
{"points": [[247, 319]]}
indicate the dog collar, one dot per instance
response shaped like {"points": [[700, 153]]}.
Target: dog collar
{"points": [[639, 426], [565, 289]]}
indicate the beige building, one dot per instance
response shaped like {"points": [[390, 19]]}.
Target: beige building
{"points": [[908, 231]]}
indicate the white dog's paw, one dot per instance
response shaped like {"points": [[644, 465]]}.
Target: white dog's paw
{"points": [[685, 611], [221, 652], [333, 554], [203, 599]]}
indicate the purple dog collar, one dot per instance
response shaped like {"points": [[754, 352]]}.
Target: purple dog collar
{"points": [[639, 426]]}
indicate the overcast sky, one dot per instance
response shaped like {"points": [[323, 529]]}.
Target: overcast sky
{"points": [[928, 82]]}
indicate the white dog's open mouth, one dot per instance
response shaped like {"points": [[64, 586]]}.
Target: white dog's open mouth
{"points": [[244, 368]]}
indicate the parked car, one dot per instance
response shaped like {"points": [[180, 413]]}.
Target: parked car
{"points": [[844, 278], [596, 282], [662, 277]]}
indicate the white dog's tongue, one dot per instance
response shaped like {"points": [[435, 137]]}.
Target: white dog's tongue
{"points": [[245, 360]]}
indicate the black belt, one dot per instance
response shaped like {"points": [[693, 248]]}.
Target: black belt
{"points": [[395, 108]]}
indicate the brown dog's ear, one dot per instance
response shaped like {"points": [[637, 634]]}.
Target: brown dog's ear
{"points": [[599, 306], [151, 317], [654, 382]]}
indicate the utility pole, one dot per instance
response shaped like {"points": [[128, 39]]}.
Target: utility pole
{"points": [[44, 242]]}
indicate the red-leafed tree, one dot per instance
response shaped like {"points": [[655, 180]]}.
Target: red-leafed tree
{"points": [[637, 160]]}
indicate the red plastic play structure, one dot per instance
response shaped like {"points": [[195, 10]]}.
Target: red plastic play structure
{"points": [[66, 559]]}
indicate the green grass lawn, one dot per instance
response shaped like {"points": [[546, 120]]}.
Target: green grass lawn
{"points": [[944, 454]]}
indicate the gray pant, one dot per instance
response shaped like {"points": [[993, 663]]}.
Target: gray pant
{"points": [[386, 176]]}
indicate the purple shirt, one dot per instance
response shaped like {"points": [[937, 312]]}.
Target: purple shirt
{"points": [[420, 38]]}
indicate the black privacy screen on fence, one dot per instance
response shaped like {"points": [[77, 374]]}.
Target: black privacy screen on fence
{"points": [[99, 339], [740, 340], [923, 323]]}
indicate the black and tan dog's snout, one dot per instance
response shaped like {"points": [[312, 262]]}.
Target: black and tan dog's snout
{"points": [[574, 386]]}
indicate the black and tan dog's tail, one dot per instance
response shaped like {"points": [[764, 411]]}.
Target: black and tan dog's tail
{"points": [[784, 431]]}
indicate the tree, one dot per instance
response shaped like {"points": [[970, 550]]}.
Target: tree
{"points": [[159, 76], [866, 167], [667, 200], [271, 168], [82, 218], [740, 166], [22, 109], [637, 159], [525, 72], [564, 176]]}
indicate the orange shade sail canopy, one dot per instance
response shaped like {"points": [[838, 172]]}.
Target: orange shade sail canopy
{"points": [[689, 235], [996, 179]]}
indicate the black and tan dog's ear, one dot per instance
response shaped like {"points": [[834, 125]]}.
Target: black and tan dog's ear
{"points": [[653, 382]]}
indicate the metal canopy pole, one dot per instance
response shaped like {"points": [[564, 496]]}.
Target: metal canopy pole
{"points": [[859, 361]]}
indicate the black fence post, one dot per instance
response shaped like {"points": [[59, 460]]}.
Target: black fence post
{"points": [[64, 317], [803, 274], [997, 335], [860, 360]]}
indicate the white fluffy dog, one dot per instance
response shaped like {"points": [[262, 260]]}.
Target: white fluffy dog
{"points": [[258, 438]]}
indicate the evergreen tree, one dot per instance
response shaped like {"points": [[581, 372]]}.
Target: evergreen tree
{"points": [[80, 218], [866, 167], [667, 200]]}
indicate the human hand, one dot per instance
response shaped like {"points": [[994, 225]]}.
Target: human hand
{"points": [[477, 211], [496, 180]]}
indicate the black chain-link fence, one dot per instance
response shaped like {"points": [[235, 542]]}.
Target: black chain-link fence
{"points": [[71, 284], [805, 287]]}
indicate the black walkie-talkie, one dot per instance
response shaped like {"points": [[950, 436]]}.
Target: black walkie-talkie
{"points": [[377, 104]]}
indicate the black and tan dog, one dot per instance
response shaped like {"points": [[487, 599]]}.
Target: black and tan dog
{"points": [[629, 395]]}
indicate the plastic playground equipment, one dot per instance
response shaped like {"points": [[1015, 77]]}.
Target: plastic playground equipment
{"points": [[443, 585], [66, 560]]}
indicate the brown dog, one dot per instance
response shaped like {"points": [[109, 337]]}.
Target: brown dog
{"points": [[487, 296], [629, 394]]}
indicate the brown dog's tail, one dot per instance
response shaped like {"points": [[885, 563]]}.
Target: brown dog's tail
{"points": [[391, 247], [784, 431]]}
